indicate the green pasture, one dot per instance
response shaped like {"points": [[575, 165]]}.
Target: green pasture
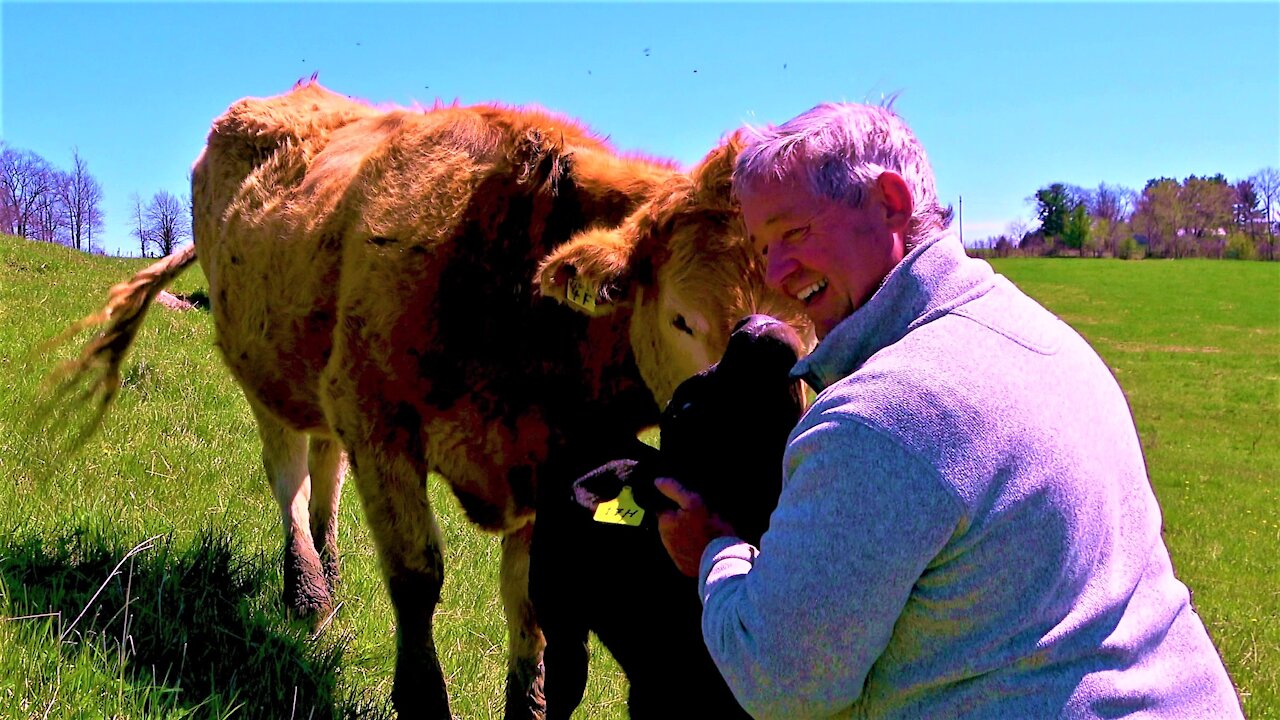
{"points": [[139, 579]]}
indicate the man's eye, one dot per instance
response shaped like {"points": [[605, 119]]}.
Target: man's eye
{"points": [[795, 233]]}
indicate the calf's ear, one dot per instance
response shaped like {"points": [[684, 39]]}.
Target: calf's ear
{"points": [[591, 272], [602, 484]]}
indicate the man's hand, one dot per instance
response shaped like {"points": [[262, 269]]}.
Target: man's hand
{"points": [[687, 531]]}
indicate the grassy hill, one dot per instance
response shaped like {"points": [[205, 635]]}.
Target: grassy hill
{"points": [[190, 623]]}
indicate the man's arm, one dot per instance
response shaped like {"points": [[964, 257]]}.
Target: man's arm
{"points": [[796, 627]]}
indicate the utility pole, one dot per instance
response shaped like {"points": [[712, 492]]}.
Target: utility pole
{"points": [[961, 220]]}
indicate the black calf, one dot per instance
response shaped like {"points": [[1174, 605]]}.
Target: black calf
{"points": [[723, 436]]}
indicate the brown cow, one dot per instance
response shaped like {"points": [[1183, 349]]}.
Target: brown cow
{"points": [[467, 290]]}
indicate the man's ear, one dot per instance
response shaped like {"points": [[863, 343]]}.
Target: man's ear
{"points": [[591, 272], [897, 201]]}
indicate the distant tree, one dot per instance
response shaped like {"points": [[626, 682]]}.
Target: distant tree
{"points": [[1054, 204], [1110, 209], [1035, 243], [168, 223], [48, 221], [25, 181], [1017, 230], [1208, 213], [1075, 235], [1267, 183], [82, 199], [140, 230], [1159, 217], [1246, 207]]}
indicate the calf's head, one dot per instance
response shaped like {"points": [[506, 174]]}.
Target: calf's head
{"points": [[723, 433], [681, 264]]}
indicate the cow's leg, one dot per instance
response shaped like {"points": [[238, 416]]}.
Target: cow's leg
{"points": [[284, 455], [393, 491], [326, 464], [524, 640]]}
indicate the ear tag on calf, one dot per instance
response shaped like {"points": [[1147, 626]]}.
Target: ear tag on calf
{"points": [[622, 510], [581, 293]]}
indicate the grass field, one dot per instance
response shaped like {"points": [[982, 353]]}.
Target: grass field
{"points": [[138, 576]]}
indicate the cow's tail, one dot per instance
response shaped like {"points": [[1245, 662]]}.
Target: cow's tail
{"points": [[96, 372]]}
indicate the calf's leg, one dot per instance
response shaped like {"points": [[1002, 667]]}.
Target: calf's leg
{"points": [[284, 456]]}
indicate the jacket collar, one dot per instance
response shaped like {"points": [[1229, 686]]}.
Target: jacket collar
{"points": [[935, 277]]}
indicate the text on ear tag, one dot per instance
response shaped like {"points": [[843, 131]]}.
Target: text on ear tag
{"points": [[581, 293], [622, 510]]}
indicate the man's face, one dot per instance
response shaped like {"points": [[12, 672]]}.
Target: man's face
{"points": [[828, 255]]}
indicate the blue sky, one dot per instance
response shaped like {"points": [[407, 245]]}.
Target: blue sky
{"points": [[1007, 97]]}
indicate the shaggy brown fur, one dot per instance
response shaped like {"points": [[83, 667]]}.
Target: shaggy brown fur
{"points": [[395, 284]]}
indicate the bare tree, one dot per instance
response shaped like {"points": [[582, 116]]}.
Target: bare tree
{"points": [[140, 230], [1110, 208], [1017, 230], [1267, 183], [82, 197], [168, 223], [48, 221], [25, 180]]}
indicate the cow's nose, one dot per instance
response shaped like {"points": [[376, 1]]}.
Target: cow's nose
{"points": [[760, 328], [754, 324]]}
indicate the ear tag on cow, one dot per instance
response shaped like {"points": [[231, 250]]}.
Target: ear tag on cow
{"points": [[622, 510], [581, 293]]}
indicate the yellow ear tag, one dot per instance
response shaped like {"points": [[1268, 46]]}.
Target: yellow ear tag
{"points": [[581, 293], [622, 510]]}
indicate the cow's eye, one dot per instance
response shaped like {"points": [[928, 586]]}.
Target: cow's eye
{"points": [[680, 324]]}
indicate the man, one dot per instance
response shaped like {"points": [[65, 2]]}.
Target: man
{"points": [[966, 527]]}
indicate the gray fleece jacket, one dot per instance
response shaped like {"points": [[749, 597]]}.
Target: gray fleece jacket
{"points": [[966, 528]]}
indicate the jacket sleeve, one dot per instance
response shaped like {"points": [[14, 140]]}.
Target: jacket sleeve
{"points": [[796, 627]]}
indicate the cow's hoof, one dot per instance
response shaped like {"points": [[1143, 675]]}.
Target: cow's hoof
{"points": [[525, 699], [306, 590], [332, 576]]}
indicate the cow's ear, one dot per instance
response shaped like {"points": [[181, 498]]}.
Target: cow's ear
{"points": [[591, 272], [713, 176]]}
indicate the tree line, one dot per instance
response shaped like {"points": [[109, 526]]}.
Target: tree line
{"points": [[1197, 217], [40, 201]]}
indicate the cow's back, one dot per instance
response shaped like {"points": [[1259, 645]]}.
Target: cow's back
{"points": [[424, 228], [310, 197]]}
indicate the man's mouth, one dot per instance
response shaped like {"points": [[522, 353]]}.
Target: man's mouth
{"points": [[807, 294]]}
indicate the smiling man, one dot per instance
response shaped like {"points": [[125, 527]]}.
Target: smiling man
{"points": [[966, 527]]}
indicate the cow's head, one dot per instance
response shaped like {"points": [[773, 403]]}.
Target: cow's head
{"points": [[682, 265]]}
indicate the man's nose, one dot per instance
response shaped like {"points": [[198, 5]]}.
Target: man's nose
{"points": [[778, 265]]}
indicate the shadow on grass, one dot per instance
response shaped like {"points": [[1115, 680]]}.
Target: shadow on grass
{"points": [[178, 618], [199, 298]]}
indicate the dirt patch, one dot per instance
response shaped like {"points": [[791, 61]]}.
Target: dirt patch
{"points": [[1152, 347]]}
